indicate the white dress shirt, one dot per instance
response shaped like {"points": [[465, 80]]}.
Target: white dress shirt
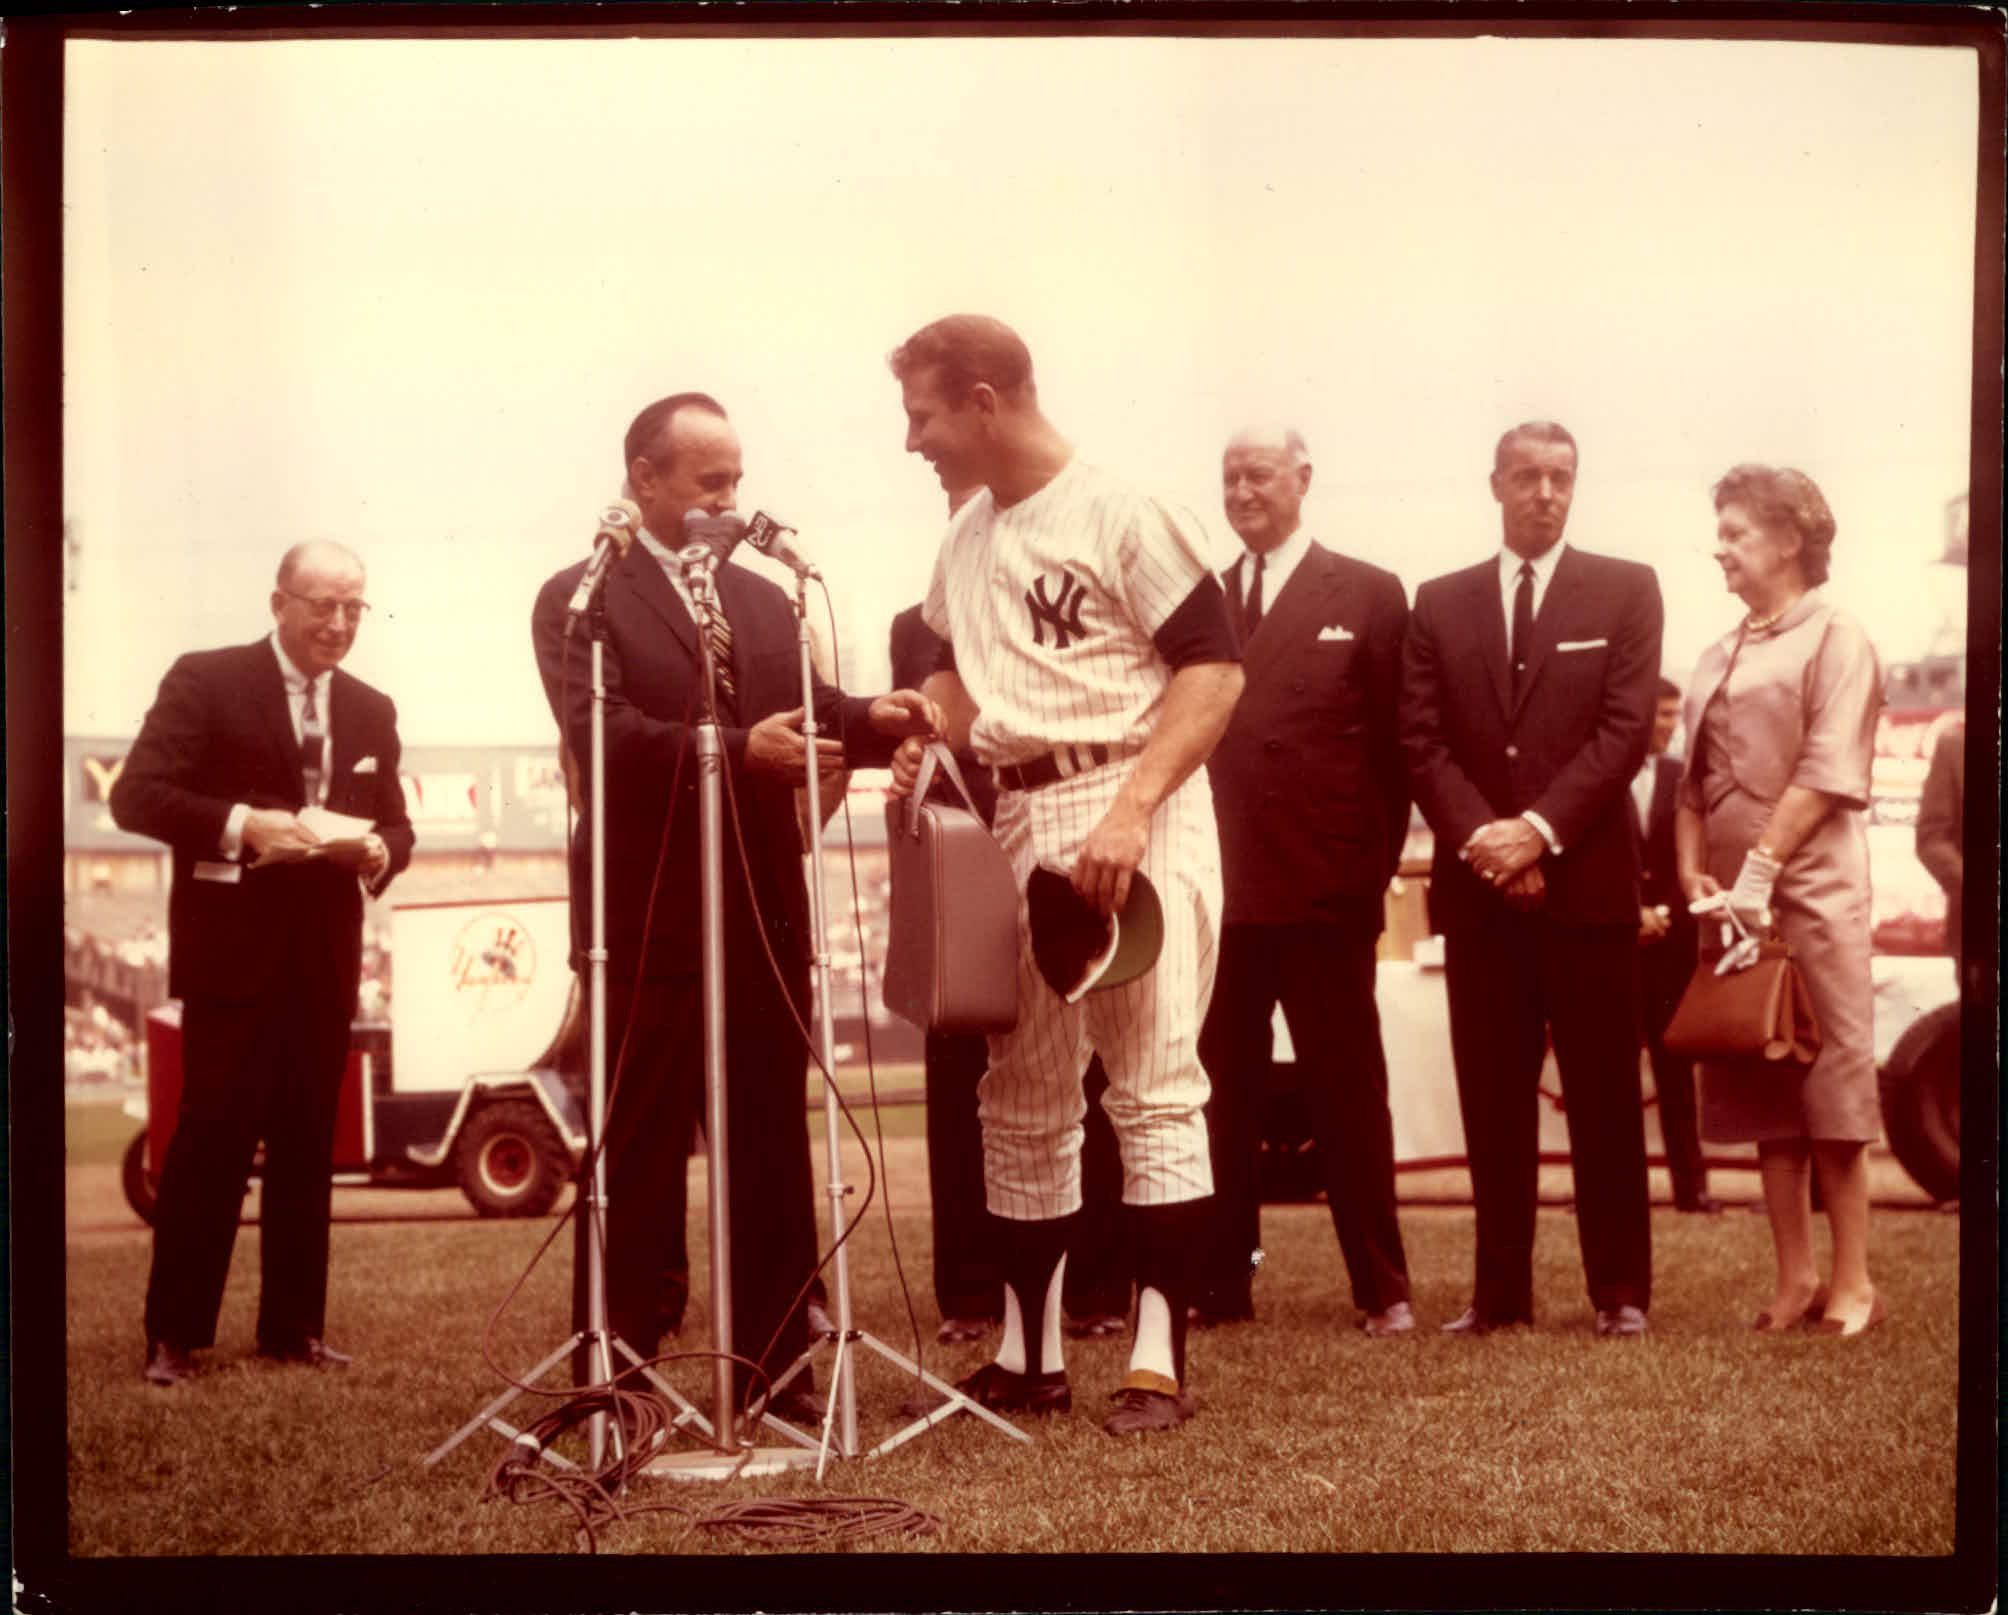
{"points": [[232, 843], [666, 559], [1277, 566]]}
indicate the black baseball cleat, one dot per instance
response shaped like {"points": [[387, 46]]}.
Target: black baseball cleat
{"points": [[995, 1387], [1139, 1409]]}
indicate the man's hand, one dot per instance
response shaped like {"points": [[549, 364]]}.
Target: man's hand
{"points": [[1699, 885], [1652, 924], [1527, 890], [906, 765], [277, 837], [1498, 851], [376, 857], [1112, 852], [776, 746], [906, 712]]}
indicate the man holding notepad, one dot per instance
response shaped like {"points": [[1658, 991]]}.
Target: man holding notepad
{"points": [[273, 777]]}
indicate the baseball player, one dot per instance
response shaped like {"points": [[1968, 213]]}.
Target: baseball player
{"points": [[1089, 661]]}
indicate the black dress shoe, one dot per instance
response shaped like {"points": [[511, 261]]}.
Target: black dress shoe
{"points": [[167, 1365], [313, 1352], [1621, 1321], [1004, 1391], [1703, 1204], [1473, 1322]]}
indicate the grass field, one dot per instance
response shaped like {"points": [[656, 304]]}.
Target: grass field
{"points": [[1701, 1438]]}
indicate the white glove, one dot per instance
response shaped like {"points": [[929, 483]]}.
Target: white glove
{"points": [[1750, 897]]}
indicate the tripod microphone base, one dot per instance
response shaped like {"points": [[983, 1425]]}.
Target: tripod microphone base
{"points": [[754, 1461]]}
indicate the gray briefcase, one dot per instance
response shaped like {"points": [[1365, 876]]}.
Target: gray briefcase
{"points": [[951, 962]]}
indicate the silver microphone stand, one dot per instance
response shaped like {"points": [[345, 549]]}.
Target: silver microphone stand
{"points": [[733, 1457], [840, 1423], [597, 1337]]}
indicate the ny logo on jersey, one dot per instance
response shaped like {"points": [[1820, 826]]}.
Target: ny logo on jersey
{"points": [[1059, 609]]}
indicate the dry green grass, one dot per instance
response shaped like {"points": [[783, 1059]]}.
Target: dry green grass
{"points": [[1700, 1439]]}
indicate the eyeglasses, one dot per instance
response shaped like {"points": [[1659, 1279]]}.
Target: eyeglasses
{"points": [[324, 610]]}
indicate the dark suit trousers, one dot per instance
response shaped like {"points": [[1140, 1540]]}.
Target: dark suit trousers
{"points": [[1664, 969], [1514, 982], [1323, 975], [655, 1108], [270, 1069], [968, 1280]]}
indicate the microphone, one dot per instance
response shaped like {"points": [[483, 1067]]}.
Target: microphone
{"points": [[718, 535], [618, 523], [778, 539]]}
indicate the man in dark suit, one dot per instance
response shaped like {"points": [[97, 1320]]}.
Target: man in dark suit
{"points": [[1312, 799], [682, 455], [1667, 940], [1527, 696], [264, 946]]}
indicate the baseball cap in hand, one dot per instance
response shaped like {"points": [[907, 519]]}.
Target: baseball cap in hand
{"points": [[1076, 949]]}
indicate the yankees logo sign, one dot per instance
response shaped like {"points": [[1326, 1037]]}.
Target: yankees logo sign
{"points": [[1057, 608]]}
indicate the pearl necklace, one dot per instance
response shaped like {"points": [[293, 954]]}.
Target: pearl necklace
{"points": [[1756, 625]]}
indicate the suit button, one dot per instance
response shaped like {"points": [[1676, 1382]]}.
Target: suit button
{"points": [[1512, 751], [1272, 745], [1299, 687]]}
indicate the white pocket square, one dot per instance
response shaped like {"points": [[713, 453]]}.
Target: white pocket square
{"points": [[364, 765], [1334, 632], [1582, 644]]}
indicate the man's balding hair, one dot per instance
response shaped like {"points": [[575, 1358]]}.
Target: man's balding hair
{"points": [[289, 563], [647, 428]]}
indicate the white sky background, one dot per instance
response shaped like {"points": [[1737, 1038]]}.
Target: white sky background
{"points": [[409, 293]]}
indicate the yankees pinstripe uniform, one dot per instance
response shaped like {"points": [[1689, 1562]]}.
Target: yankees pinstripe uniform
{"points": [[1050, 608]]}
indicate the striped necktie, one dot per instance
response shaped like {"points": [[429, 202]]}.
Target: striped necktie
{"points": [[719, 633], [312, 738]]}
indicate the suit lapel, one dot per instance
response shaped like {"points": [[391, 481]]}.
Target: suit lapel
{"points": [[1490, 632], [1298, 607], [638, 569], [274, 711]]}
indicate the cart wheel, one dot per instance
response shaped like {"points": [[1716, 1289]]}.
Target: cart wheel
{"points": [[511, 1161], [1920, 1101], [141, 1188]]}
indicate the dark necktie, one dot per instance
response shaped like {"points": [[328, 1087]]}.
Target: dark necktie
{"points": [[719, 632], [1251, 612], [311, 737], [1523, 625]]}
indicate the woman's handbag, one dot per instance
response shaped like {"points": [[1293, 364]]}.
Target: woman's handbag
{"points": [[1750, 1004]]}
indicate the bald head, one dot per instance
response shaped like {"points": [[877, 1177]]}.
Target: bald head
{"points": [[1264, 475], [319, 553]]}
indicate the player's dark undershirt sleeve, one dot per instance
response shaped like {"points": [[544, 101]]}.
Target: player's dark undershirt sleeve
{"points": [[1200, 630]]}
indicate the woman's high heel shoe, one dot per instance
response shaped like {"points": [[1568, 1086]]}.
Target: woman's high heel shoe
{"points": [[1878, 1313]]}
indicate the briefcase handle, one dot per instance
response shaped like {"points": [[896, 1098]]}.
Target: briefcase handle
{"points": [[936, 755]]}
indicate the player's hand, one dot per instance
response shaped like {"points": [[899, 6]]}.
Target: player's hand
{"points": [[376, 857], [776, 746], [1111, 854], [1498, 851], [1527, 890], [277, 837], [906, 712], [1652, 924], [906, 765]]}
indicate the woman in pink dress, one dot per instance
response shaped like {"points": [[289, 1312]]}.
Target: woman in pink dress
{"points": [[1782, 717]]}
